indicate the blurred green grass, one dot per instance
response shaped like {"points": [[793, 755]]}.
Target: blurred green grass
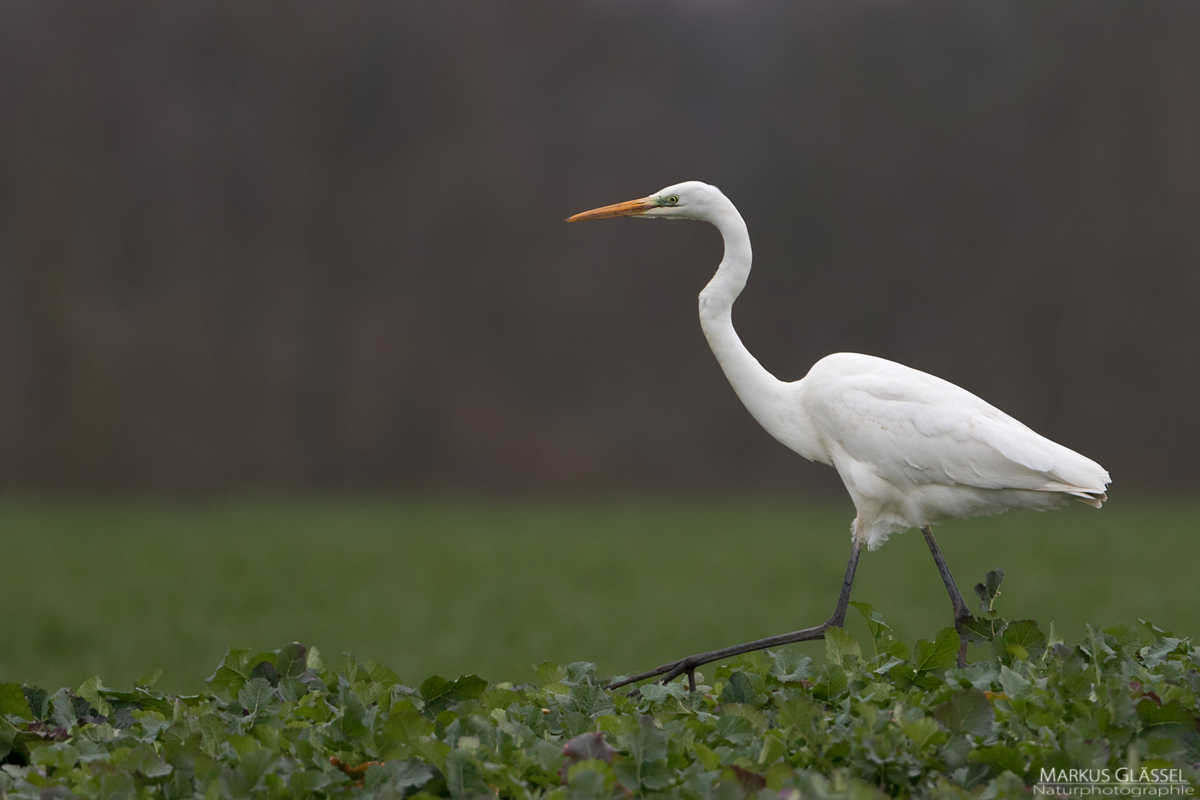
{"points": [[121, 587]]}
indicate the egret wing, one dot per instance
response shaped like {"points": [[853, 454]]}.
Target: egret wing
{"points": [[916, 428]]}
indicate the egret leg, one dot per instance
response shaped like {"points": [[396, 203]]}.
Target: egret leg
{"points": [[688, 665], [839, 614], [961, 612]]}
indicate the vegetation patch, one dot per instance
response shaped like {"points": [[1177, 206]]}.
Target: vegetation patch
{"points": [[1117, 710]]}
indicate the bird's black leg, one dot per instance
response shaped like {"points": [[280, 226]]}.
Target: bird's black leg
{"points": [[688, 665], [839, 615], [961, 612]]}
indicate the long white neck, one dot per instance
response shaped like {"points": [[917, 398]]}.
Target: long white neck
{"points": [[772, 402]]}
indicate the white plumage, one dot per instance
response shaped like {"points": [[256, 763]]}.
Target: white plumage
{"points": [[914, 450]]}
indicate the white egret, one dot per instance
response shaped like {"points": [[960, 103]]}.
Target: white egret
{"points": [[912, 449]]}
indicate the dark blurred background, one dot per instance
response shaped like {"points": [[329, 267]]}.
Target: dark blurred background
{"points": [[304, 245]]}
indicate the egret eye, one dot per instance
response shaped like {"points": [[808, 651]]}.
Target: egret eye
{"points": [[673, 199]]}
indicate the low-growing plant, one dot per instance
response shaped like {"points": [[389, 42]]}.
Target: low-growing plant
{"points": [[1118, 709]]}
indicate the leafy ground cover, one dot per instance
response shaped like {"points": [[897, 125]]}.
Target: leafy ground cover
{"points": [[875, 719], [118, 586]]}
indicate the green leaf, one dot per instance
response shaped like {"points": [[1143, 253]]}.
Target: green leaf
{"points": [[13, 701], [1154, 654], [840, 647], [439, 693], [757, 719], [407, 725], [265, 669], [831, 683], [91, 691], [989, 590], [646, 765], [117, 786], [593, 779], [1170, 718], [648, 743], [791, 665], [1015, 685], [549, 672], [797, 713], [967, 711], [307, 781], [147, 681], [145, 759], [657, 692], [259, 697], [8, 737], [580, 672], [772, 750], [735, 729], [1013, 653], [547, 755], [920, 730], [357, 719], [982, 629], [740, 689], [463, 776], [999, 758], [313, 661], [1023, 640], [255, 765], [591, 700], [381, 674], [291, 660], [1130, 638], [232, 673], [884, 641], [942, 653], [38, 699], [62, 709], [706, 756], [978, 676], [92, 751], [411, 774], [60, 756], [657, 775]]}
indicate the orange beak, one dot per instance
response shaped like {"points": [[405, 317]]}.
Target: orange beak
{"points": [[630, 208]]}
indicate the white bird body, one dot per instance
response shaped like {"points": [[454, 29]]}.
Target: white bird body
{"points": [[912, 449]]}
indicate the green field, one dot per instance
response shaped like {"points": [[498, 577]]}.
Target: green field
{"points": [[118, 588]]}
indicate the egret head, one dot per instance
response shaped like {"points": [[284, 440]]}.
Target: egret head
{"points": [[687, 200]]}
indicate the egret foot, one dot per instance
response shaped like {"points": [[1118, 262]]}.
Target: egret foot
{"points": [[670, 672], [688, 665]]}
